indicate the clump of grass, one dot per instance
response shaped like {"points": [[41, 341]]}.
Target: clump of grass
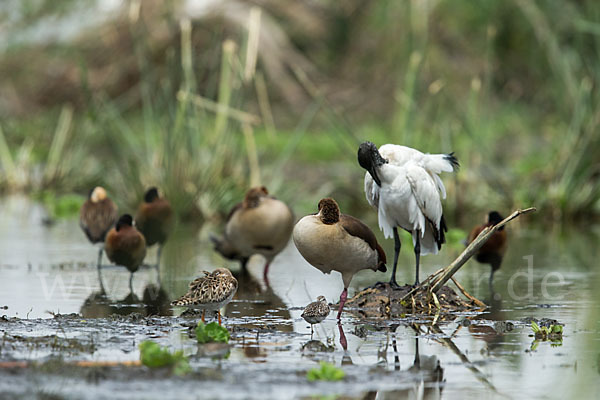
{"points": [[189, 146], [326, 372], [36, 164], [152, 355], [211, 333]]}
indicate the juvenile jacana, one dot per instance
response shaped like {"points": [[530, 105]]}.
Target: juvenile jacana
{"points": [[209, 293], [493, 250], [155, 219], [97, 215], [404, 186], [260, 224], [331, 241], [126, 246]]}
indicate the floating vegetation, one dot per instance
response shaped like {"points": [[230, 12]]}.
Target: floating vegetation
{"points": [[552, 332], [546, 330], [153, 355], [211, 333], [327, 372]]}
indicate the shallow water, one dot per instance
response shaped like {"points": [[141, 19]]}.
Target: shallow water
{"points": [[51, 269]]}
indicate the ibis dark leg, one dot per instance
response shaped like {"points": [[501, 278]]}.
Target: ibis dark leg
{"points": [[98, 266], [397, 246], [417, 256]]}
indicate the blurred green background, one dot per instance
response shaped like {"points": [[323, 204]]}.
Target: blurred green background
{"points": [[206, 98]]}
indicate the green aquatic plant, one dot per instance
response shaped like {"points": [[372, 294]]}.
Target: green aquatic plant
{"points": [[212, 332], [153, 355], [327, 372], [551, 332]]}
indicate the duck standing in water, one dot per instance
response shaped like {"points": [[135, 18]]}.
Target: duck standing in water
{"points": [[260, 224], [97, 215], [126, 246], [404, 186], [331, 241], [154, 219], [493, 250]]}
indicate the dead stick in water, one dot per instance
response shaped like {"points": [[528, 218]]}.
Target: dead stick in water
{"points": [[467, 295], [473, 247]]}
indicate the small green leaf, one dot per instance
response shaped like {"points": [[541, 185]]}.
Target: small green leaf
{"points": [[557, 328], [213, 332], [327, 372], [153, 355], [535, 327]]}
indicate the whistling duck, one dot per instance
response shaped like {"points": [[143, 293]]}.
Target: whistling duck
{"points": [[97, 215], [126, 246], [154, 219]]}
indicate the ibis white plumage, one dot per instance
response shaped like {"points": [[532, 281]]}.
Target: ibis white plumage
{"points": [[404, 186]]}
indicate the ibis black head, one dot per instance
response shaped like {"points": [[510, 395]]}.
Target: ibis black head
{"points": [[494, 218], [370, 159], [151, 195], [124, 220]]}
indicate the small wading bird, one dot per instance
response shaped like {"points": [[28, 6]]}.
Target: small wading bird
{"points": [[316, 312], [260, 224], [154, 219], [404, 186], [493, 250], [331, 241], [97, 215], [210, 292], [126, 246]]}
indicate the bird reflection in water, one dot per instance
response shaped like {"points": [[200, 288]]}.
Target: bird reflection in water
{"points": [[155, 302], [260, 307], [492, 335], [425, 377]]}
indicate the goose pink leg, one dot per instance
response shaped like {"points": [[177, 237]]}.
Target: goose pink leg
{"points": [[343, 298]]}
